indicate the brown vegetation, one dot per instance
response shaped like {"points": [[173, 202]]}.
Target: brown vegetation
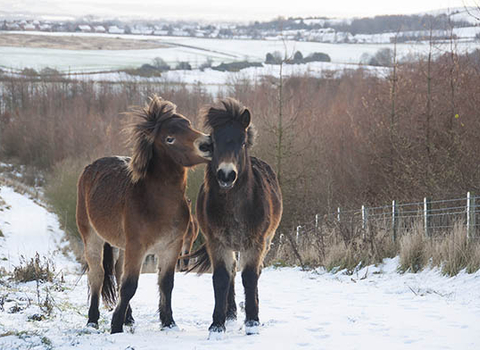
{"points": [[357, 139], [77, 42]]}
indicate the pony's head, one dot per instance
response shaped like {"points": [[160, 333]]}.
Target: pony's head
{"points": [[159, 129], [232, 135]]}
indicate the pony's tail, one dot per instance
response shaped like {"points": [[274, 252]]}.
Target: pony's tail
{"points": [[109, 292], [202, 263]]}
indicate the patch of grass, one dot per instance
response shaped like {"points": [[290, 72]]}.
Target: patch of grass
{"points": [[412, 252], [454, 252], [61, 194], [34, 270]]}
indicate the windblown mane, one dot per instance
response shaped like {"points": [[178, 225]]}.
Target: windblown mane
{"points": [[228, 111], [143, 132]]}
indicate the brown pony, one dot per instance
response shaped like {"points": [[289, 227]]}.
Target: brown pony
{"points": [[239, 208], [138, 205], [189, 239]]}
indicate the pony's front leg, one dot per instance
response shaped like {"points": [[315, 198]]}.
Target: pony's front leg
{"points": [[134, 256], [223, 262], [167, 261], [251, 268]]}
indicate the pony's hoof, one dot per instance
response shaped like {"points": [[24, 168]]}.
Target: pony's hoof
{"points": [[116, 330], [252, 327], [92, 325], [217, 332], [231, 323], [170, 328], [129, 322]]}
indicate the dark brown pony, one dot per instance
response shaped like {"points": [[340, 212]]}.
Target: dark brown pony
{"points": [[138, 205], [189, 239], [239, 208]]}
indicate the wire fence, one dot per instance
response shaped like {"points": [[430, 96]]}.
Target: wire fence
{"points": [[435, 217]]}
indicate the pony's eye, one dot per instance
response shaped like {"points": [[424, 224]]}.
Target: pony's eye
{"points": [[170, 140]]}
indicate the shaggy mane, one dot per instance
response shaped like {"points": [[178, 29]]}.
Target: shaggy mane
{"points": [[143, 131], [228, 111]]}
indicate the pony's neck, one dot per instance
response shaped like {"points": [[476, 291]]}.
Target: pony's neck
{"points": [[165, 172]]}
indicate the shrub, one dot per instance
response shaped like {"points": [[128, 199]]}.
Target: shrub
{"points": [[317, 57], [160, 64], [273, 58], [29, 72], [48, 72], [146, 70], [236, 66], [207, 64], [183, 66], [34, 270]]}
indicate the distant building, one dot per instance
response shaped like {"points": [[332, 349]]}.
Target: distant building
{"points": [[84, 28], [45, 27], [99, 29], [115, 30], [29, 26]]}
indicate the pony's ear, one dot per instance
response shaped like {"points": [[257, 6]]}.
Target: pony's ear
{"points": [[245, 118]]}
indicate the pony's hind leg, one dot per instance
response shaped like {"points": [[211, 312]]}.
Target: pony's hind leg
{"points": [[134, 256], [94, 257], [223, 262], [167, 261], [129, 320], [251, 268]]}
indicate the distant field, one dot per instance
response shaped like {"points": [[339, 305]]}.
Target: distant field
{"points": [[72, 42], [140, 49]]}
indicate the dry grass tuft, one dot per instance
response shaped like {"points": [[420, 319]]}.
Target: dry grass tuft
{"points": [[35, 269], [413, 255]]}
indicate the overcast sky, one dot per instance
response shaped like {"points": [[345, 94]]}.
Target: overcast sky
{"points": [[243, 10]]}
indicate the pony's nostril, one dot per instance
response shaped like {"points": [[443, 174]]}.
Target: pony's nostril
{"points": [[231, 176], [226, 178]]}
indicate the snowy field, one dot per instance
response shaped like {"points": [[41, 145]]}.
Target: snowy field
{"points": [[196, 51], [376, 308]]}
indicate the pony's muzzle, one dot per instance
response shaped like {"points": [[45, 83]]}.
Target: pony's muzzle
{"points": [[204, 146], [226, 175]]}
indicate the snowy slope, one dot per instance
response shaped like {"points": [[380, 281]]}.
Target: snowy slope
{"points": [[29, 228]]}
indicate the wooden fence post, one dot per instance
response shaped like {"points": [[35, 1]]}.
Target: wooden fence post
{"points": [[394, 220], [471, 222], [427, 206]]}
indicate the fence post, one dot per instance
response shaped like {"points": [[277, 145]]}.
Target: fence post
{"points": [[338, 214], [427, 206], [364, 217], [317, 219], [470, 215], [298, 234], [394, 220]]}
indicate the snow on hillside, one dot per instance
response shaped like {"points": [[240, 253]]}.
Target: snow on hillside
{"points": [[29, 228], [197, 51], [375, 308]]}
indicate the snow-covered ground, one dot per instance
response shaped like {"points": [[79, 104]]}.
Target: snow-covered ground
{"points": [[29, 228], [376, 308], [196, 51]]}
